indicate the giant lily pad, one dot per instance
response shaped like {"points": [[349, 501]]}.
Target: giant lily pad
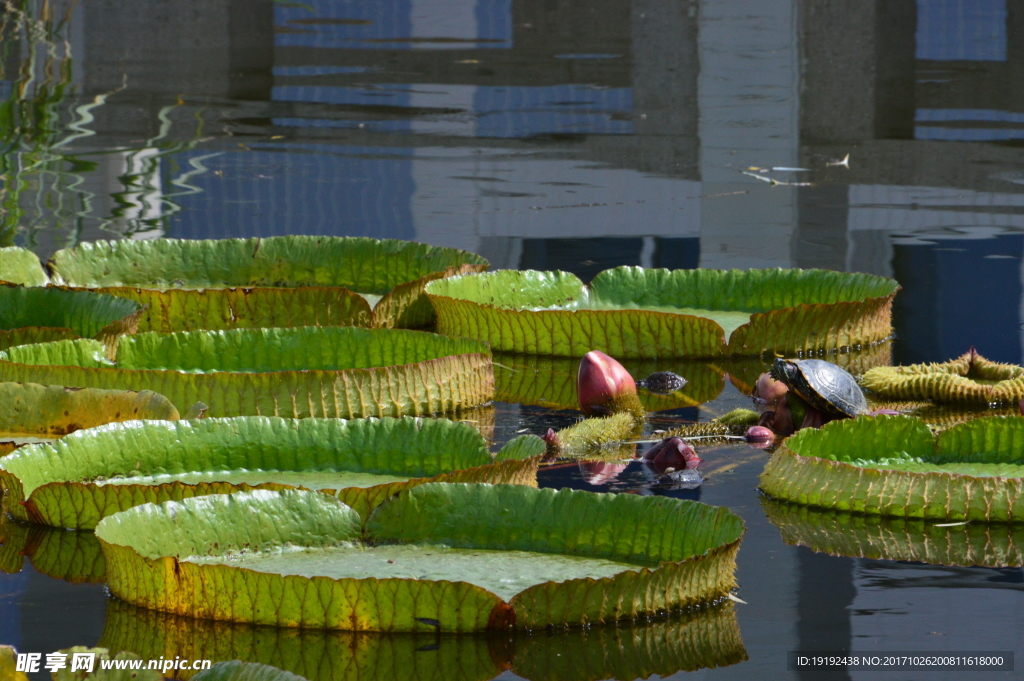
{"points": [[275, 282], [968, 379], [634, 312], [32, 314], [550, 382], [340, 372], [30, 410], [21, 266], [524, 558], [85, 477], [72, 556], [839, 533], [706, 637], [894, 466]]}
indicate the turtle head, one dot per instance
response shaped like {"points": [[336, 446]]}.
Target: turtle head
{"points": [[784, 370]]}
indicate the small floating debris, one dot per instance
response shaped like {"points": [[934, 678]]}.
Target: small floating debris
{"points": [[844, 163]]}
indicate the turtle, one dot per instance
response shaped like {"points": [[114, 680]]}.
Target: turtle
{"points": [[824, 386], [662, 382]]}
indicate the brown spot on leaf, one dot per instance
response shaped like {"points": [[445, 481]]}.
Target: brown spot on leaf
{"points": [[502, 617]]}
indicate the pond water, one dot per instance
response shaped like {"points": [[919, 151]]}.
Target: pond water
{"points": [[547, 134]]}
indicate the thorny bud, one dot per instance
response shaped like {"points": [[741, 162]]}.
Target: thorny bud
{"points": [[601, 380]]}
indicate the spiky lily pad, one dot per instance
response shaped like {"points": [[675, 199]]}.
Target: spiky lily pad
{"points": [[275, 282], [72, 556], [551, 381], [21, 266], [634, 312], [839, 533], [894, 466], [36, 313], [338, 372], [707, 637], [653, 554], [80, 479], [968, 379]]}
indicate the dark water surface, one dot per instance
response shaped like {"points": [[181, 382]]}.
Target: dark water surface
{"points": [[550, 134]]}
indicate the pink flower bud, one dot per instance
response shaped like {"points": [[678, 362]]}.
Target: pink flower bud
{"points": [[672, 452], [769, 394], [600, 380], [760, 437], [759, 434]]}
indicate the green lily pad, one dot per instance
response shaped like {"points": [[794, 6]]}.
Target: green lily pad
{"points": [[707, 637], [207, 558], [275, 282], [21, 266], [968, 379], [635, 312], [9, 665], [894, 466], [338, 372], [85, 477], [855, 535], [550, 382], [72, 556], [45, 312]]}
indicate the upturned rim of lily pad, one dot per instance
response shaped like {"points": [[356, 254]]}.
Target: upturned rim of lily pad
{"points": [[66, 483], [30, 314], [550, 382], [895, 466], [553, 313], [337, 372], [684, 552], [34, 410], [262, 282], [967, 379], [855, 535], [21, 266]]}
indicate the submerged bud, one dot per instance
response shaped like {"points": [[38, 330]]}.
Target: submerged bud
{"points": [[601, 380], [672, 452], [759, 435]]}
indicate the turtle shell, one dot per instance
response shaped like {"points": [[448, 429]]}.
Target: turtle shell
{"points": [[826, 387], [662, 382]]}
